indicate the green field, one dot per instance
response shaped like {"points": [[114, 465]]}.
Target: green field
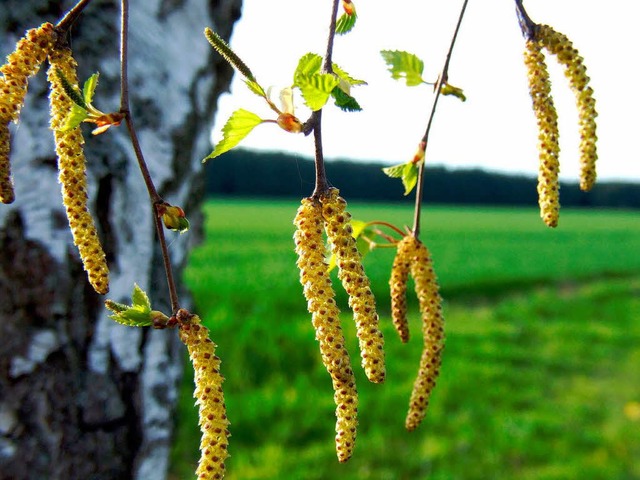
{"points": [[540, 375]]}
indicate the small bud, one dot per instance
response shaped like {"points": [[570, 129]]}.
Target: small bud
{"points": [[289, 123]]}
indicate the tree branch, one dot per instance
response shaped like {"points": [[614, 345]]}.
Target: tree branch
{"points": [[156, 199], [315, 121], [444, 74]]}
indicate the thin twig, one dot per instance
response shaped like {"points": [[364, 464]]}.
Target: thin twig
{"points": [[527, 25], [71, 16], [441, 80], [156, 199], [315, 121]]}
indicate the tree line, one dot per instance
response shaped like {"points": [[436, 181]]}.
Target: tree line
{"points": [[246, 173]]}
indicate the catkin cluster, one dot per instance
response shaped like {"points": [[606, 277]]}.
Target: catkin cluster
{"points": [[548, 134], [355, 282], [413, 257], [21, 64], [574, 69], [545, 37], [318, 290], [72, 171], [209, 398]]}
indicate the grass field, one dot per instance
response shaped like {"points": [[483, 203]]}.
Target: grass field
{"points": [[540, 376]]}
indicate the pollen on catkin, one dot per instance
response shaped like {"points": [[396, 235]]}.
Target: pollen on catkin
{"points": [[22, 63], [398, 286], [72, 172], [356, 283], [427, 290], [548, 134], [214, 424], [574, 69], [318, 290]]}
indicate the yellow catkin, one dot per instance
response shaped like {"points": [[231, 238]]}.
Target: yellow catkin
{"points": [[318, 290], [355, 282], [548, 134], [398, 286], [6, 186], [214, 445], [427, 289], [574, 69], [22, 63], [72, 172]]}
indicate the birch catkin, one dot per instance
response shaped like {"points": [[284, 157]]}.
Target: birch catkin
{"points": [[398, 286], [21, 64], [575, 71], [209, 398], [318, 290], [427, 289], [72, 172], [355, 282], [548, 134]]}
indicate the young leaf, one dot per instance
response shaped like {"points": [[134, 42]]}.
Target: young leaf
{"points": [[404, 65], [89, 88], [139, 314], [309, 64], [344, 76], [345, 23], [139, 298], [394, 171], [409, 177], [256, 88], [407, 172], [344, 101], [316, 88], [237, 127], [76, 116], [447, 89]]}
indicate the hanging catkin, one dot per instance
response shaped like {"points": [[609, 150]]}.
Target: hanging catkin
{"points": [[72, 171], [318, 290]]}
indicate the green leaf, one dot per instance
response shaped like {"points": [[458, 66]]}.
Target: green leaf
{"points": [[140, 299], [89, 88], [316, 88], [404, 65], [344, 76], [408, 172], [447, 89], [345, 101], [345, 23], [309, 64], [256, 88], [237, 127], [139, 314], [394, 171], [409, 177], [77, 115]]}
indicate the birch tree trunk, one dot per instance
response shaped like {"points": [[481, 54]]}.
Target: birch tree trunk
{"points": [[82, 397]]}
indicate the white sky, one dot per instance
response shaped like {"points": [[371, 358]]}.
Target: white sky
{"points": [[494, 129]]}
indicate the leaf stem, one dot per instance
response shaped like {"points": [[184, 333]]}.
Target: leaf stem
{"points": [[441, 80], [156, 199], [322, 184]]}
